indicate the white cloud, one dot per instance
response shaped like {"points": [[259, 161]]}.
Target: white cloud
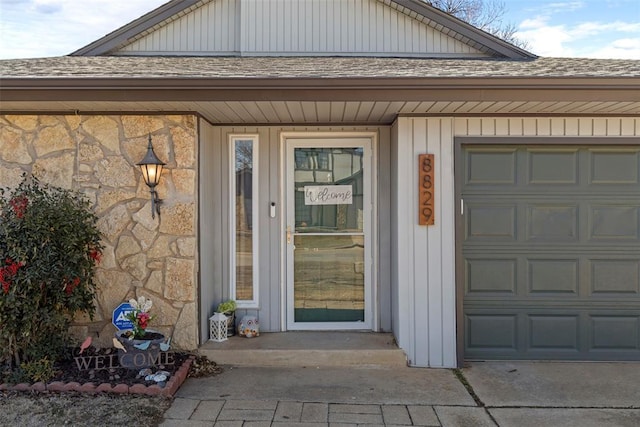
{"points": [[47, 6], [582, 39], [620, 49], [547, 40], [585, 29], [565, 6], [537, 22]]}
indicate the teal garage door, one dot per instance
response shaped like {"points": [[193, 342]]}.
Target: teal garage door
{"points": [[551, 251]]}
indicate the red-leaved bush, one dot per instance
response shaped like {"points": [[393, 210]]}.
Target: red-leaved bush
{"points": [[49, 248]]}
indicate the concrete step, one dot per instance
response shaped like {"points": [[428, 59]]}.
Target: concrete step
{"points": [[325, 349]]}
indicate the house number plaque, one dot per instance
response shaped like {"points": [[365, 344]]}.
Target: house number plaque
{"points": [[426, 188]]}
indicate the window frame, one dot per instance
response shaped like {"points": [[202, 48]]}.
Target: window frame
{"points": [[233, 139]]}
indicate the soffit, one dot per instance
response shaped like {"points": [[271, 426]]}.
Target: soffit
{"points": [[325, 112]]}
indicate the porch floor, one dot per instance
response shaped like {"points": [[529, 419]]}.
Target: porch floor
{"points": [[366, 349]]}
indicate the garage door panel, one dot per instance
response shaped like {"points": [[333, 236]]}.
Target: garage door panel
{"points": [[541, 220], [529, 274], [615, 277], [491, 166], [588, 278], [615, 332], [534, 169], [551, 222], [552, 256], [614, 222], [545, 305], [492, 331], [614, 166], [553, 167], [491, 276], [553, 276], [496, 222], [553, 332]]}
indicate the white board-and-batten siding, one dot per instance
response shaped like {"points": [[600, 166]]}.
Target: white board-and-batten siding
{"points": [[298, 27], [423, 257]]}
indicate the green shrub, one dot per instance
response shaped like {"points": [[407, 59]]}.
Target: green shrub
{"points": [[49, 247], [38, 370]]}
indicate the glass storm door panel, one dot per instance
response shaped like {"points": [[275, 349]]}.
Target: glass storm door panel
{"points": [[328, 239]]}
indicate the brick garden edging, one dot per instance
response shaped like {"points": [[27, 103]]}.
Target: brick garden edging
{"points": [[172, 386]]}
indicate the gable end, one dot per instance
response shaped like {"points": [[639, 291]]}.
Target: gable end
{"points": [[392, 28]]}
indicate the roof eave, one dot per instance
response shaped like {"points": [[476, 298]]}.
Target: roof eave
{"points": [[160, 83], [345, 89]]}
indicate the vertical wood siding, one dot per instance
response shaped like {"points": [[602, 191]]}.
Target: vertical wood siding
{"points": [[556, 126], [297, 27], [423, 260], [211, 28], [339, 26], [215, 222], [426, 327]]}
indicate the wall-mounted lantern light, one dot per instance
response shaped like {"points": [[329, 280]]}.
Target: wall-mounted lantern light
{"points": [[151, 168]]}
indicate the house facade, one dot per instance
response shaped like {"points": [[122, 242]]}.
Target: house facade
{"points": [[295, 135]]}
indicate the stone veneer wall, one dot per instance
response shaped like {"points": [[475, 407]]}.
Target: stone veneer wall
{"points": [[157, 257]]}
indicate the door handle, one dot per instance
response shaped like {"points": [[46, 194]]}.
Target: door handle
{"points": [[288, 234]]}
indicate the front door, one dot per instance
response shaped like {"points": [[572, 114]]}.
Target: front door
{"points": [[328, 233]]}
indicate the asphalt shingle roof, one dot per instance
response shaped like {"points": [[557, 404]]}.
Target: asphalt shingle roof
{"points": [[114, 67]]}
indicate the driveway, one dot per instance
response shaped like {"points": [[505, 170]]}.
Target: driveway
{"points": [[558, 393], [496, 394]]}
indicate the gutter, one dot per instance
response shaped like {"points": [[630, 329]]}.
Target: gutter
{"points": [[319, 89], [283, 83]]}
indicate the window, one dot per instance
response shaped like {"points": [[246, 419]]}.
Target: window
{"points": [[244, 219]]}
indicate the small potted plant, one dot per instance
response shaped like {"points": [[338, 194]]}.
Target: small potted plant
{"points": [[228, 308]]}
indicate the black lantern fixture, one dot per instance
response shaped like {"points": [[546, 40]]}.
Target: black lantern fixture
{"points": [[151, 168]]}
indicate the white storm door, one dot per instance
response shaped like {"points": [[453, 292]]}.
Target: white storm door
{"points": [[328, 233]]}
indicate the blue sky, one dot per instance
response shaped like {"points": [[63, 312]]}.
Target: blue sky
{"points": [[582, 28]]}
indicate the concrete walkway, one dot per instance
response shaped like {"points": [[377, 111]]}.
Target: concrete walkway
{"points": [[500, 394]]}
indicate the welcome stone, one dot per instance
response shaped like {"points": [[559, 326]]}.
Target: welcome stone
{"points": [[112, 361]]}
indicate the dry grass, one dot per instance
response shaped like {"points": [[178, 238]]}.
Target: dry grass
{"points": [[71, 409]]}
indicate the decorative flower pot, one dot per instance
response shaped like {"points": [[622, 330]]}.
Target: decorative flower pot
{"points": [[231, 323], [140, 353]]}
